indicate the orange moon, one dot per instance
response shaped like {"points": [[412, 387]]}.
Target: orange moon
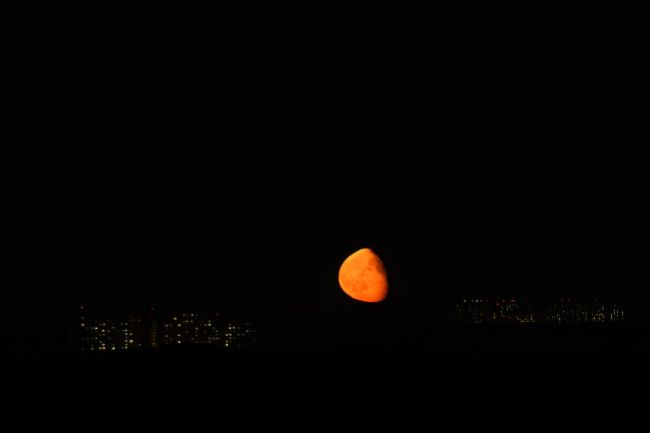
{"points": [[363, 277]]}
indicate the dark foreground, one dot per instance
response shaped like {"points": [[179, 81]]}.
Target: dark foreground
{"points": [[337, 390]]}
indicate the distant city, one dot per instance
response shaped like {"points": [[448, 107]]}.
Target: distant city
{"points": [[98, 331], [563, 311], [95, 330]]}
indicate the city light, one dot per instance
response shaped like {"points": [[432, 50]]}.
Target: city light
{"points": [[564, 311], [142, 332]]}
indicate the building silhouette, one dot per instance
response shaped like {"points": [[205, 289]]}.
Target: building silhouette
{"points": [[494, 311], [513, 311], [204, 329], [475, 311], [568, 311], [562, 311]]}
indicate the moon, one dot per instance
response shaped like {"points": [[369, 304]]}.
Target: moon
{"points": [[363, 277]]}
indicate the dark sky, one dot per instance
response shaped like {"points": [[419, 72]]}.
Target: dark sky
{"points": [[235, 154]]}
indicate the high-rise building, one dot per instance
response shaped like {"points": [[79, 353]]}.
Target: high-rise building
{"points": [[152, 328], [475, 311], [106, 333], [568, 311], [617, 313], [205, 329], [513, 311], [495, 311]]}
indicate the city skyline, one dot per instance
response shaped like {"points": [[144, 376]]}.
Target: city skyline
{"points": [[152, 330], [97, 329], [559, 311]]}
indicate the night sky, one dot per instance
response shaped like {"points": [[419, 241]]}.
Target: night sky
{"points": [[234, 155]]}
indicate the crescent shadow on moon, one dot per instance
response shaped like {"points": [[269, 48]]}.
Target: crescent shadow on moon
{"points": [[363, 277]]}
